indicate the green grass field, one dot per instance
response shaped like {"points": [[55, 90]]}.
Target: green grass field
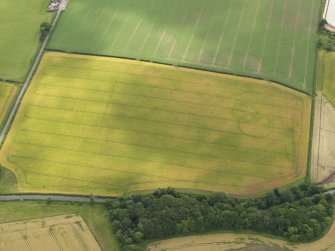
{"points": [[19, 35], [326, 75], [95, 216], [7, 93], [270, 39], [111, 126]]}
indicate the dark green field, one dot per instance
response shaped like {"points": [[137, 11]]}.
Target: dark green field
{"points": [[270, 39]]}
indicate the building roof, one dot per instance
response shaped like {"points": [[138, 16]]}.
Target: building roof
{"points": [[329, 13]]}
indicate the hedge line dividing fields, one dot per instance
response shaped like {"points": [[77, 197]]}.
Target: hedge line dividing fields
{"points": [[106, 126], [268, 39]]}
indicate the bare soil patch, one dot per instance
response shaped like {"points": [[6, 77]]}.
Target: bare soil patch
{"points": [[323, 159]]}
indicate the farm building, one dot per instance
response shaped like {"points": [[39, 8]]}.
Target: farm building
{"points": [[53, 5], [329, 13]]}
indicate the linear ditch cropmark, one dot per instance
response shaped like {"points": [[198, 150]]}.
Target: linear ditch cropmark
{"points": [[115, 14], [255, 101], [115, 103], [218, 47], [186, 12], [164, 31], [157, 16], [120, 32], [184, 113], [276, 102], [161, 122], [121, 170], [140, 50], [155, 77], [69, 41], [232, 50], [130, 117], [293, 50], [312, 15], [97, 20], [251, 35], [209, 29], [194, 31], [265, 38], [134, 33], [280, 37], [150, 160], [112, 140]]}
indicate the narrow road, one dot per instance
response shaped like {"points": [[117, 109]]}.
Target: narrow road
{"points": [[66, 198], [3, 133], [20, 197], [25, 86]]}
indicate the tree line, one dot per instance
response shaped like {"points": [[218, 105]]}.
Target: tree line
{"points": [[326, 38], [301, 213]]}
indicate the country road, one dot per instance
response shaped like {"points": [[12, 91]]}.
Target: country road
{"points": [[70, 198], [66, 198], [11, 117], [25, 86]]}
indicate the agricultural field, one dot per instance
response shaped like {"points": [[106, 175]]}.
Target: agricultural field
{"points": [[106, 126], [323, 155], [269, 39], [19, 40], [229, 241], [7, 93], [326, 75], [95, 217], [63, 232]]}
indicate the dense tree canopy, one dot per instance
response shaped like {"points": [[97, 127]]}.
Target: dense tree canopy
{"points": [[45, 28], [301, 213], [326, 39]]}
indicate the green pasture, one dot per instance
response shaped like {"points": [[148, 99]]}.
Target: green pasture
{"points": [[269, 39], [19, 35], [7, 93], [326, 75], [106, 126]]}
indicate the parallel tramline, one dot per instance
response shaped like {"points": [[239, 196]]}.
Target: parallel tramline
{"points": [[159, 126], [270, 39]]}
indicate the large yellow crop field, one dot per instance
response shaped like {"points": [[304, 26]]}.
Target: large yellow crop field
{"points": [[7, 93], [105, 126], [64, 232]]}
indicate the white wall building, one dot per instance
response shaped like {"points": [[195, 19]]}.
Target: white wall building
{"points": [[329, 13]]}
